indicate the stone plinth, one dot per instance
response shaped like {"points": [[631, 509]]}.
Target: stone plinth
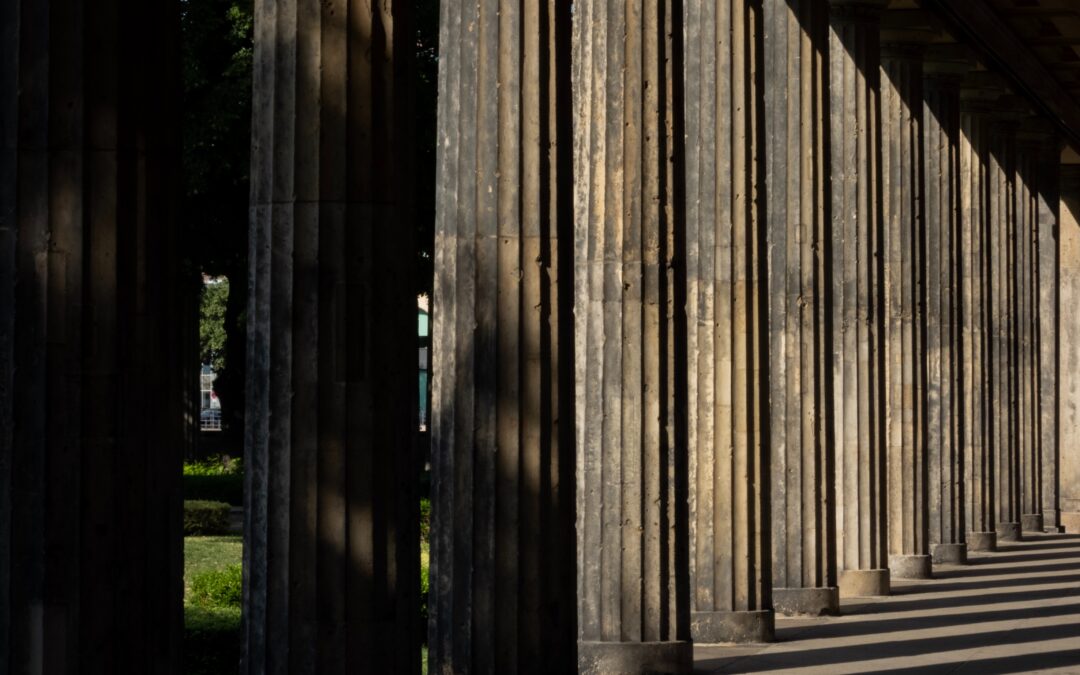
{"points": [[982, 541], [807, 601], [910, 567], [738, 626], [1008, 532], [952, 554], [864, 583]]}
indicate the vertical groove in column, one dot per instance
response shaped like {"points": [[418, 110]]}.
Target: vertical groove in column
{"points": [[1003, 233], [945, 354], [331, 556], [906, 253], [1048, 239], [729, 460], [800, 343], [633, 606], [91, 351], [976, 302], [858, 295], [1027, 274], [502, 597]]}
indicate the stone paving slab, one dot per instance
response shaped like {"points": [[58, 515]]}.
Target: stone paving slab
{"points": [[1016, 610]]}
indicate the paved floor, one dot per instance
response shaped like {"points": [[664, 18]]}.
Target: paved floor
{"points": [[1013, 611]]}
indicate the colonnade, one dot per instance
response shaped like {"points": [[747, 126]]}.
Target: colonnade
{"points": [[740, 307]]}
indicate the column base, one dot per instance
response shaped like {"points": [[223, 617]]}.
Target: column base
{"points": [[1031, 522], [910, 567], [982, 541], [1052, 520], [952, 554], [818, 601], [863, 583], [1008, 531], [742, 626], [633, 658]]}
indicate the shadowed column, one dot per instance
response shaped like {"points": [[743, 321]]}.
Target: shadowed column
{"points": [[858, 296], [633, 575], [976, 309], [1048, 237], [95, 317], [728, 408], [800, 343], [905, 319], [502, 568], [331, 559], [944, 313], [1003, 292]]}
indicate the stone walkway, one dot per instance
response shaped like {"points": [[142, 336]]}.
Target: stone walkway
{"points": [[1013, 611]]}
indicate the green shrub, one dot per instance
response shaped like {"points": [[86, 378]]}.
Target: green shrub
{"points": [[425, 520], [216, 465], [211, 640], [425, 586], [219, 488], [205, 517], [217, 588]]}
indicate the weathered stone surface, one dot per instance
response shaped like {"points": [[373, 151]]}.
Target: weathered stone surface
{"points": [[856, 285], [730, 563], [982, 541], [801, 406], [94, 310], [910, 566], [807, 601], [629, 333], [1031, 522], [1069, 276], [906, 346], [1008, 531], [331, 551], [502, 567], [952, 554], [864, 583]]}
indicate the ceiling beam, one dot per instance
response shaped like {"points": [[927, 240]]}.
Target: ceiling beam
{"points": [[978, 23]]}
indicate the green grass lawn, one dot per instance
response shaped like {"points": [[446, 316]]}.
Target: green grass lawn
{"points": [[211, 634]]}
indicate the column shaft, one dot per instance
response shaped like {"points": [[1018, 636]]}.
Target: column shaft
{"points": [[945, 346], [331, 578], [906, 342], [976, 301], [1048, 182], [502, 580], [858, 295], [728, 405], [92, 349], [1069, 276], [800, 344], [1027, 273], [1004, 352], [633, 581]]}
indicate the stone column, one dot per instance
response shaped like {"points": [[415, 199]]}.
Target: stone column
{"points": [[945, 354], [905, 255], [1027, 170], [1069, 276], [92, 349], [976, 301], [1048, 187], [502, 567], [800, 344], [857, 296], [730, 563], [1003, 325], [633, 573], [331, 578]]}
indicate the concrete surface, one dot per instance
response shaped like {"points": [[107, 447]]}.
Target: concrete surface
{"points": [[1016, 610]]}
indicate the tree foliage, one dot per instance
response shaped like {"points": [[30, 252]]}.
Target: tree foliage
{"points": [[215, 295]]}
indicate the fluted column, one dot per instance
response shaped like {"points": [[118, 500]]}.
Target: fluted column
{"points": [[502, 585], [905, 266], [92, 338], [1048, 238], [800, 345], [331, 578], [944, 315], [1069, 278], [857, 290], [1027, 271], [633, 574], [1003, 324], [976, 299]]}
